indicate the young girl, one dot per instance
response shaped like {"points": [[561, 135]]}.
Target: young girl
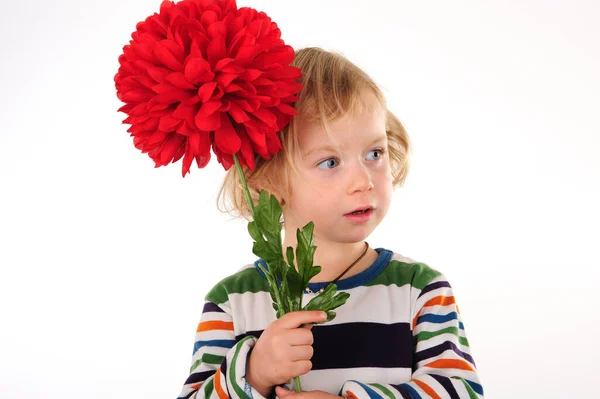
{"points": [[400, 334]]}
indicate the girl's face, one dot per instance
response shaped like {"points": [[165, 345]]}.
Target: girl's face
{"points": [[338, 174]]}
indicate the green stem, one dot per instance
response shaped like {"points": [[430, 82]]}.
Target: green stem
{"points": [[244, 183], [272, 279], [273, 284], [297, 382]]}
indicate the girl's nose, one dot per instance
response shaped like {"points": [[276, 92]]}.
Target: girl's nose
{"points": [[359, 179]]}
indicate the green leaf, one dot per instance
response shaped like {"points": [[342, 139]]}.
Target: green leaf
{"points": [[266, 231], [296, 288], [268, 214], [330, 315], [313, 272], [327, 301], [305, 252], [290, 256], [255, 231]]}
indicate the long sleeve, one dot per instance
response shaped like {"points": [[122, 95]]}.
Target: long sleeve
{"points": [[218, 363], [442, 363]]}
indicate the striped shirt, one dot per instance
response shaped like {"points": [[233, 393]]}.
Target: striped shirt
{"points": [[399, 335]]}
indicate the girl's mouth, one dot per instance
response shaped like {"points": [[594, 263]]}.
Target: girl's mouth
{"points": [[359, 212], [360, 216]]}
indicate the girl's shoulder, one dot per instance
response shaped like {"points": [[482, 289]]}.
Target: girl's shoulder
{"points": [[402, 270], [245, 280]]}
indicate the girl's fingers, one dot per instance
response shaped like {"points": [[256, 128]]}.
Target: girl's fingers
{"points": [[296, 319], [299, 336], [302, 367], [282, 392], [300, 353]]}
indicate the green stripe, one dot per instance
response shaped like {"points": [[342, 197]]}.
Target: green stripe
{"points": [[386, 391], [195, 365], [232, 377], [425, 335], [399, 273], [247, 280], [472, 393], [212, 359], [209, 387]]}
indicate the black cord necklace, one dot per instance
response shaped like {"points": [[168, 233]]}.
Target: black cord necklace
{"points": [[309, 291]]}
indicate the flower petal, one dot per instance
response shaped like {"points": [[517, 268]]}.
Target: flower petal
{"points": [[206, 91], [266, 116], [226, 138], [237, 113], [167, 59], [186, 112], [178, 80], [168, 123], [197, 70], [170, 147], [207, 118], [246, 150], [216, 50]]}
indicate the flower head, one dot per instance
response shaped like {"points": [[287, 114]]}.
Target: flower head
{"points": [[204, 74]]}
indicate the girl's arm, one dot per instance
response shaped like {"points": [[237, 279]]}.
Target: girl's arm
{"points": [[443, 366], [218, 363]]}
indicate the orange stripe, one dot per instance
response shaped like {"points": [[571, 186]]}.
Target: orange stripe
{"points": [[351, 395], [428, 390], [196, 387], [217, 384], [450, 364], [215, 325], [438, 300]]}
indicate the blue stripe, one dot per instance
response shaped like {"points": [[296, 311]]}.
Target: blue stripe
{"points": [[413, 392], [461, 325], [372, 394], [437, 318], [476, 387], [221, 343]]}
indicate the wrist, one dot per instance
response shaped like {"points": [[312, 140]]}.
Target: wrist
{"points": [[263, 388]]}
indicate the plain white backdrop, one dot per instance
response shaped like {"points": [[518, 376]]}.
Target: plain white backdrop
{"points": [[105, 260]]}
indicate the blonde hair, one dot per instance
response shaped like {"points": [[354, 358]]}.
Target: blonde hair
{"points": [[332, 87]]}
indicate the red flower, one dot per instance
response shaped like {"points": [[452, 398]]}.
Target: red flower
{"points": [[202, 74]]}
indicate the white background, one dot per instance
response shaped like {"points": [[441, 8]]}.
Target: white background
{"points": [[105, 260]]}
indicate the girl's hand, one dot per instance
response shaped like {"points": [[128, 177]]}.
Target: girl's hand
{"points": [[284, 393], [283, 351]]}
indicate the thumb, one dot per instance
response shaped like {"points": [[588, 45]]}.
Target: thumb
{"points": [[282, 392]]}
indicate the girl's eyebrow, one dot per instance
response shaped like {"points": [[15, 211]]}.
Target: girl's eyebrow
{"points": [[328, 148], [379, 139]]}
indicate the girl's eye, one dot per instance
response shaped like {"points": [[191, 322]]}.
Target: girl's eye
{"points": [[375, 155], [328, 164]]}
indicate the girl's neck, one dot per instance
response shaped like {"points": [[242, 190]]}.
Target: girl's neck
{"points": [[334, 258]]}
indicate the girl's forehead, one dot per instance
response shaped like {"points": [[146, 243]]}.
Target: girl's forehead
{"points": [[364, 124]]}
